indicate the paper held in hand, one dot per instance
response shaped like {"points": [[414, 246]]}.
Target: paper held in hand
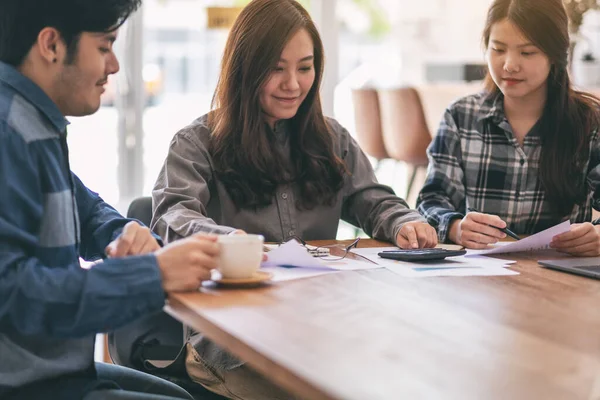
{"points": [[539, 241]]}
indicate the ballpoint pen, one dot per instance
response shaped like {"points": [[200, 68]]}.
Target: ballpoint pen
{"points": [[505, 230]]}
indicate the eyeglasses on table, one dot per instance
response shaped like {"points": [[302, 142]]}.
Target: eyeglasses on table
{"points": [[331, 252]]}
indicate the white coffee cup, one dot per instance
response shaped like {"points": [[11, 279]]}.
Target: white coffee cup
{"points": [[240, 255]]}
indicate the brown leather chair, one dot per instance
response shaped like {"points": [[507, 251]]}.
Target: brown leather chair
{"points": [[405, 132], [436, 97], [368, 123]]}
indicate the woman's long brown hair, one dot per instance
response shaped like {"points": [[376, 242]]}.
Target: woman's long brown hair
{"points": [[242, 146], [569, 116]]}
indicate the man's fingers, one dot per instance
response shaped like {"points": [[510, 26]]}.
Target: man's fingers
{"points": [[207, 244], [203, 274], [201, 260], [142, 236], [126, 239], [150, 246], [111, 249]]}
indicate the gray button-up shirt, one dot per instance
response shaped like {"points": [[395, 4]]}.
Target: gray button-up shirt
{"points": [[189, 197]]}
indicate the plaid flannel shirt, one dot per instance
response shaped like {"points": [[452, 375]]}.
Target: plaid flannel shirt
{"points": [[476, 162]]}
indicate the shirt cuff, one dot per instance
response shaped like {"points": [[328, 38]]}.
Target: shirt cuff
{"points": [[444, 225], [133, 277], [416, 218]]}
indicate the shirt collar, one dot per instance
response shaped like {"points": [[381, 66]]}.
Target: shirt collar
{"points": [[492, 107], [34, 94], [281, 130]]}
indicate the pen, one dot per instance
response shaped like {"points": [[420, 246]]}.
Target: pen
{"points": [[505, 230]]}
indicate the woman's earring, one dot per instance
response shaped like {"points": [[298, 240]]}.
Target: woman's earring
{"points": [[54, 60]]}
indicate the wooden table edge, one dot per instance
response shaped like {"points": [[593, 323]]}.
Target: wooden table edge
{"points": [[284, 377]]}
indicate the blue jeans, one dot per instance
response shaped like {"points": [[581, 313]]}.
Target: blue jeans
{"points": [[134, 385]]}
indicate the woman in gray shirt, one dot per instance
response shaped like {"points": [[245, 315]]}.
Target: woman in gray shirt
{"points": [[267, 161]]}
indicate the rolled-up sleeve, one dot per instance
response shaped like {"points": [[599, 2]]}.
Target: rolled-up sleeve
{"points": [[443, 193], [368, 204], [182, 193]]}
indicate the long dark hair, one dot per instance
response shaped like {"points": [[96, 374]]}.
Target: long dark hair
{"points": [[569, 116], [242, 146]]}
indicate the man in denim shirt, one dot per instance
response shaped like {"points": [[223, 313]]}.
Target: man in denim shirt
{"points": [[55, 57]]}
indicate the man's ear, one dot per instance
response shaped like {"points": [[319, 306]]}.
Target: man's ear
{"points": [[51, 46]]}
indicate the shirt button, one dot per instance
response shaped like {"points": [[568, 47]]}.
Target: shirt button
{"points": [[291, 233], [522, 161], [517, 193], [284, 196]]}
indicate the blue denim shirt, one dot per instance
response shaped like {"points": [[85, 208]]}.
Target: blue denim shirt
{"points": [[50, 307]]}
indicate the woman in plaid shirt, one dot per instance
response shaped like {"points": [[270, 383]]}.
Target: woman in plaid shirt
{"points": [[525, 152]]}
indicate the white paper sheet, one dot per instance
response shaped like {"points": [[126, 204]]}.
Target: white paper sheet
{"points": [[452, 266], [539, 241], [281, 274], [292, 261], [292, 254], [468, 271], [451, 262]]}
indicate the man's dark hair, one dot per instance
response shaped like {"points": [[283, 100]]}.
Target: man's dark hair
{"points": [[22, 20]]}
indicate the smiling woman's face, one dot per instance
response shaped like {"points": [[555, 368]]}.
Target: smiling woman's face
{"points": [[290, 81]]}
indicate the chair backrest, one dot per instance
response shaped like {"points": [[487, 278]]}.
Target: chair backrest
{"points": [[141, 209], [368, 122], [405, 132], [436, 98]]}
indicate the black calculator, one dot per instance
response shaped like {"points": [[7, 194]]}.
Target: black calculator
{"points": [[420, 254]]}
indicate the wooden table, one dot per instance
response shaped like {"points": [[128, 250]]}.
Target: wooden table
{"points": [[376, 335]]}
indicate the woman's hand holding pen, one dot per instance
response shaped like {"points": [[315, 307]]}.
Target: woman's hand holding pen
{"points": [[477, 230]]}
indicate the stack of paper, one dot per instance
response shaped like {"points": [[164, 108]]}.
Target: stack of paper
{"points": [[291, 261]]}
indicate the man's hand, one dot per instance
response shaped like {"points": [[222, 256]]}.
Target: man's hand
{"points": [[242, 232], [477, 230], [134, 240], [582, 240], [416, 235], [184, 264]]}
